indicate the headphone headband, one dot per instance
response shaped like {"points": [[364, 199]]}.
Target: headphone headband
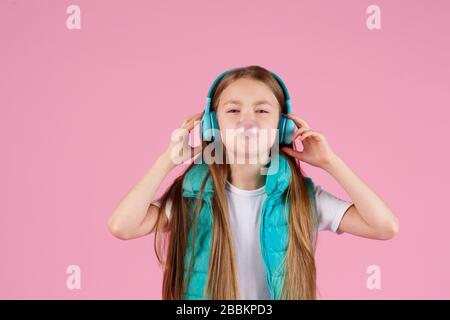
{"points": [[223, 74]]}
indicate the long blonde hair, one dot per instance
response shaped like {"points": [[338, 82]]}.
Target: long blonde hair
{"points": [[222, 283]]}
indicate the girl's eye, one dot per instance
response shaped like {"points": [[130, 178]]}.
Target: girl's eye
{"points": [[236, 110]]}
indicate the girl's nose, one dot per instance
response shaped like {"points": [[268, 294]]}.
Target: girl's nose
{"points": [[248, 124], [247, 127]]}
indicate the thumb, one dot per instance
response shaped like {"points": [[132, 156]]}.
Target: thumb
{"points": [[293, 153]]}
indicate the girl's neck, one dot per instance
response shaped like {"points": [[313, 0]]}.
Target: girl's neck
{"points": [[247, 176]]}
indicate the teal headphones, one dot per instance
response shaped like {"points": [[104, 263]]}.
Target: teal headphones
{"points": [[209, 123]]}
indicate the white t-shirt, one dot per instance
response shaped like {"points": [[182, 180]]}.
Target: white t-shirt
{"points": [[244, 208]]}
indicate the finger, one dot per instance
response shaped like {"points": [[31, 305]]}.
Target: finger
{"points": [[310, 134], [191, 122], [299, 132], [191, 118], [190, 125], [299, 121], [292, 152]]}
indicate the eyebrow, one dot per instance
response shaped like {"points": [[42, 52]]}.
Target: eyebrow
{"points": [[263, 101]]}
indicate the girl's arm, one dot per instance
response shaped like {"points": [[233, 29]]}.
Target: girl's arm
{"points": [[135, 216], [369, 216]]}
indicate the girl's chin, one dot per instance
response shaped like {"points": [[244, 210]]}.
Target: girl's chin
{"points": [[255, 156]]}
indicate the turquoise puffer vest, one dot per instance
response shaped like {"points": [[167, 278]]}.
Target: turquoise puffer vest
{"points": [[274, 226]]}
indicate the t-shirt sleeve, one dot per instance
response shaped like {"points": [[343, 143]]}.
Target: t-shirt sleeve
{"points": [[168, 206], [330, 209]]}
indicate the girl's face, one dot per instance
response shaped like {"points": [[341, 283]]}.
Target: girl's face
{"points": [[248, 114]]}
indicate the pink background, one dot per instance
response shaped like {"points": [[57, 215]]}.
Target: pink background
{"points": [[86, 112]]}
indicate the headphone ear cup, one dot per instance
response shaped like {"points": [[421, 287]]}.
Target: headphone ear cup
{"points": [[214, 125], [206, 126], [289, 130], [281, 128]]}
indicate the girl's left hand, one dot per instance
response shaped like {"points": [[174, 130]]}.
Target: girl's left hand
{"points": [[316, 150]]}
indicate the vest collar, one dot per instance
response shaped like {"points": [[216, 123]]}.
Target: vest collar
{"points": [[277, 180]]}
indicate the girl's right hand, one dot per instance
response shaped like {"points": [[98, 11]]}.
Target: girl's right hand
{"points": [[179, 149]]}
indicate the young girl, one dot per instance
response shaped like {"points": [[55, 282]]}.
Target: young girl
{"points": [[233, 232]]}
